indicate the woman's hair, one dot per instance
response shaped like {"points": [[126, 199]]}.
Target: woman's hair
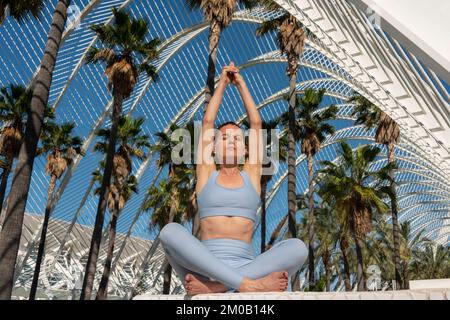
{"points": [[228, 123]]}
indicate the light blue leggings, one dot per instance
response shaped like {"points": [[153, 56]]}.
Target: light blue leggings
{"points": [[227, 260]]}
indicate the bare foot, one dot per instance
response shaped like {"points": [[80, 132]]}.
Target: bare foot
{"points": [[194, 285], [276, 281]]}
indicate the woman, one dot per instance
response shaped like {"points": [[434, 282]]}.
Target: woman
{"points": [[228, 199]]}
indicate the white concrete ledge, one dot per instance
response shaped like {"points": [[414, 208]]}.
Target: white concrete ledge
{"points": [[429, 294]]}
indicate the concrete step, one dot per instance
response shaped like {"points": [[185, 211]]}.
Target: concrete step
{"points": [[428, 294]]}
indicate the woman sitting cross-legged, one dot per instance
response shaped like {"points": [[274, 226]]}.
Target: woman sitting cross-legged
{"points": [[228, 199]]}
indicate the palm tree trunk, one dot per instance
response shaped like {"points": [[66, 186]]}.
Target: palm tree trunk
{"points": [[405, 285], [276, 232], [196, 226], [194, 212], [4, 183], [102, 292], [12, 227], [359, 256], [167, 277], [168, 268], [311, 225], [326, 264], [292, 225], [263, 212], [172, 213], [395, 227], [2, 12], [41, 250], [215, 31], [343, 245], [91, 265]]}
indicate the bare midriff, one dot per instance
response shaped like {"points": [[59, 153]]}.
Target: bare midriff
{"points": [[231, 227]]}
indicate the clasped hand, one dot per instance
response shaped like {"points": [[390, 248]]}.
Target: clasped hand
{"points": [[230, 74]]}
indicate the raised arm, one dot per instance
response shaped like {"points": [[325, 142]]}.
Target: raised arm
{"points": [[205, 161], [256, 148]]}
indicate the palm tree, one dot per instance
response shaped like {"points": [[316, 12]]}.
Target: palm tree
{"points": [[301, 205], [409, 245], [291, 35], [431, 262], [387, 133], [167, 206], [132, 143], [12, 227], [346, 185], [19, 9], [119, 194], [327, 236], [62, 147], [311, 129], [15, 103], [383, 247], [219, 14], [123, 47], [344, 245], [191, 206]]}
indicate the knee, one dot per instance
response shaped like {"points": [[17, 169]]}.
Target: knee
{"points": [[298, 251], [168, 231]]}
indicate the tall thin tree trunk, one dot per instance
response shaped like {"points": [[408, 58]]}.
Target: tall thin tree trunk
{"points": [[196, 217], [215, 31], [395, 226], [41, 250], [263, 212], [168, 269], [343, 245], [292, 192], [4, 183], [326, 264], [102, 292], [2, 12], [311, 268], [405, 285], [359, 256], [196, 226], [167, 278], [12, 227], [172, 212], [292, 224], [91, 265], [276, 232]]}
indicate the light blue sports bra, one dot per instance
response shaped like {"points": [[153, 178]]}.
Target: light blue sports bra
{"points": [[217, 200]]}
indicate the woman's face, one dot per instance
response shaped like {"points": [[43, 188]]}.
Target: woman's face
{"points": [[229, 145]]}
